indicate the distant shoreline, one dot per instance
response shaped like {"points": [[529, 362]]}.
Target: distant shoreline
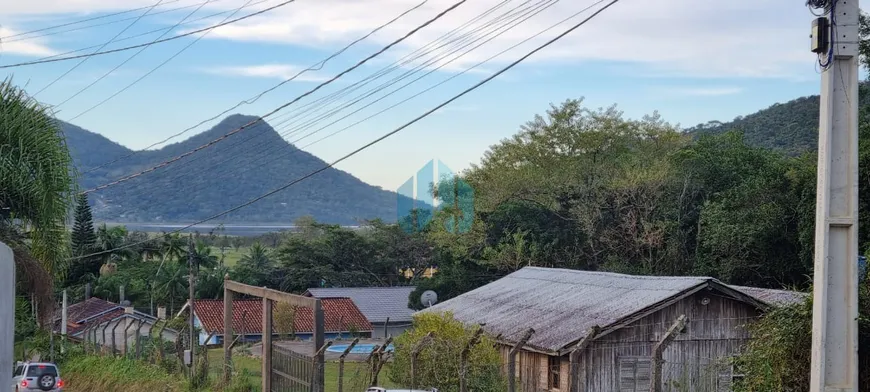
{"points": [[244, 229]]}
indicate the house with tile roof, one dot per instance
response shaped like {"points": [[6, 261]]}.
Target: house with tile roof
{"points": [[101, 321], [342, 319], [386, 308], [632, 314]]}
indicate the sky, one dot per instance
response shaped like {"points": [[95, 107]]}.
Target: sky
{"points": [[691, 61]]}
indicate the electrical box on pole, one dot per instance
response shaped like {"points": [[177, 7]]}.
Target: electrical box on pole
{"points": [[834, 366]]}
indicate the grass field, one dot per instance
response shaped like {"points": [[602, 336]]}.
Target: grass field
{"points": [[353, 372], [231, 256]]}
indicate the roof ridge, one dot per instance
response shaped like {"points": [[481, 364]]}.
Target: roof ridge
{"points": [[615, 274]]}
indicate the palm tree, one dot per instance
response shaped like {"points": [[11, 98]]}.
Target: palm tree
{"points": [[202, 256], [112, 240], [256, 267], [37, 190], [37, 186]]}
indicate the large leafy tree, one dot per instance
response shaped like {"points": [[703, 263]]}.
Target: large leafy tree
{"points": [[37, 188]]}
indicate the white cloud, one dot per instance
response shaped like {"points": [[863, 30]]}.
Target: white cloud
{"points": [[25, 48], [682, 38], [274, 71]]}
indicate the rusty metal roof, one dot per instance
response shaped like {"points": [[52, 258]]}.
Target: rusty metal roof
{"points": [[561, 304], [339, 314]]}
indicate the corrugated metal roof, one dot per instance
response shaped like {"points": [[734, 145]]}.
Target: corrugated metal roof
{"points": [[773, 296], [561, 304], [376, 303]]}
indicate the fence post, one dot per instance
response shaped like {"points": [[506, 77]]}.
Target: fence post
{"points": [[162, 343], [228, 332], [139, 339], [512, 359], [658, 350], [103, 344], [578, 383], [378, 361], [319, 326], [341, 364], [463, 360], [267, 345], [151, 340], [127, 337], [386, 328], [114, 332], [318, 368], [415, 352]]}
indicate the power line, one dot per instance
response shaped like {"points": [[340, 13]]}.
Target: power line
{"points": [[309, 92], [101, 48], [305, 108], [136, 54], [522, 18], [152, 31], [315, 67], [125, 88], [381, 138], [98, 53], [98, 24], [84, 20]]}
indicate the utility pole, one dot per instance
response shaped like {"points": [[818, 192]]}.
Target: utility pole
{"points": [[191, 285], [834, 365]]}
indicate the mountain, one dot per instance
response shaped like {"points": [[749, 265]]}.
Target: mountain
{"points": [[792, 127], [229, 173]]}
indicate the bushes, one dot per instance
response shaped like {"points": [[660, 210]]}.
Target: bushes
{"points": [[778, 357], [438, 362]]}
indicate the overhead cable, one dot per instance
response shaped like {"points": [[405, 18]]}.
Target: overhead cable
{"points": [[309, 92], [377, 140]]}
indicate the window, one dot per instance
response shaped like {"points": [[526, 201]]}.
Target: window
{"points": [[19, 370], [727, 378], [41, 370], [634, 374], [554, 365]]}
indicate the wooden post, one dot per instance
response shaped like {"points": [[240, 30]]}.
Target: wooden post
{"points": [[126, 337], [658, 350], [228, 332], [191, 286], [415, 353], [578, 383], [378, 361], [512, 359], [160, 335], [386, 328], [317, 311], [267, 345], [463, 360], [341, 364]]}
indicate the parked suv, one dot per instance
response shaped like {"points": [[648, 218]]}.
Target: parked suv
{"points": [[36, 376]]}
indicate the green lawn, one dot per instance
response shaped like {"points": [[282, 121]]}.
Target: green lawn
{"points": [[353, 372], [231, 256]]}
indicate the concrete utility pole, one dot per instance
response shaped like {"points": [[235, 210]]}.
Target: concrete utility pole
{"points": [[835, 297], [191, 285], [7, 312]]}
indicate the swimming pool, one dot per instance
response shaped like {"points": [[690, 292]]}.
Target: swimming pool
{"points": [[362, 348]]}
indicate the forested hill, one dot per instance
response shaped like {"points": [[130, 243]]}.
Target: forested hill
{"points": [[231, 172], [791, 127]]}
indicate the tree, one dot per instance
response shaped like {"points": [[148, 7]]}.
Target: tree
{"points": [[438, 362], [83, 238], [256, 267], [37, 188]]}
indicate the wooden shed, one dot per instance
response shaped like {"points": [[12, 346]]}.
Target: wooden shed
{"points": [[632, 315]]}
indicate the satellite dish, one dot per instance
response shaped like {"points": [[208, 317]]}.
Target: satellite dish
{"points": [[429, 298]]}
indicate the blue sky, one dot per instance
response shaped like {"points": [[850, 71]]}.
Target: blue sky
{"points": [[692, 61]]}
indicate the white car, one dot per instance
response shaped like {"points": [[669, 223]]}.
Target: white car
{"points": [[36, 376]]}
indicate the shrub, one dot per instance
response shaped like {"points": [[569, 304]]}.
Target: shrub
{"points": [[438, 363]]}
